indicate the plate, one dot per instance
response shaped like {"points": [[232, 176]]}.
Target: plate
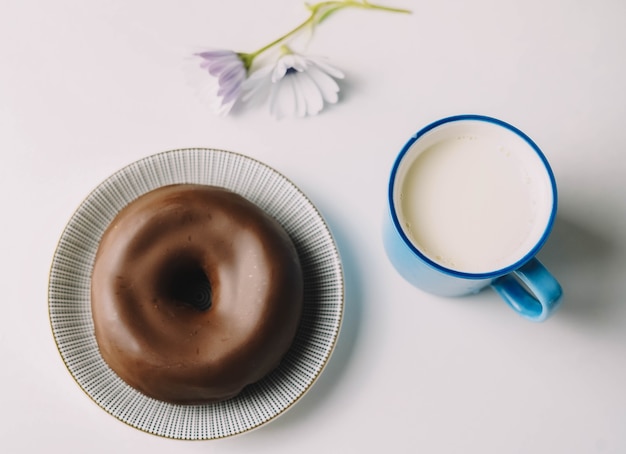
{"points": [[70, 309]]}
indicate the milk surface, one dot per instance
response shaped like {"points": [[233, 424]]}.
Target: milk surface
{"points": [[475, 202]]}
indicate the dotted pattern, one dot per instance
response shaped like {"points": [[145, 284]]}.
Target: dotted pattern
{"points": [[70, 308]]}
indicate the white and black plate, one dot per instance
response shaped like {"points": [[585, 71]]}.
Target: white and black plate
{"points": [[70, 308]]}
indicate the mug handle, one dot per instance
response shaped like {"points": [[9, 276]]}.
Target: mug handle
{"points": [[530, 290]]}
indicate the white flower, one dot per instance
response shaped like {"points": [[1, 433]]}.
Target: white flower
{"points": [[226, 74], [295, 85]]}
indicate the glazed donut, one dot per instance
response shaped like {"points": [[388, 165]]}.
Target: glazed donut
{"points": [[195, 293]]}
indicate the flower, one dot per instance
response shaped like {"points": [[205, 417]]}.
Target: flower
{"points": [[296, 85], [227, 71]]}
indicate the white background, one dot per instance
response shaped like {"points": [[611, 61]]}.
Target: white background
{"points": [[89, 87]]}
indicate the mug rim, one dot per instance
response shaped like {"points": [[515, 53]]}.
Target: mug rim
{"points": [[464, 274]]}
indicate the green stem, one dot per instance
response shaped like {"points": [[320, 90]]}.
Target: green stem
{"points": [[319, 12], [367, 5], [310, 20]]}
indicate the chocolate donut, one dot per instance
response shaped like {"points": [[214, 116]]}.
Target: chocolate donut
{"points": [[195, 293]]}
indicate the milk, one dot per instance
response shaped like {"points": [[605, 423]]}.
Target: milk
{"points": [[474, 200]]}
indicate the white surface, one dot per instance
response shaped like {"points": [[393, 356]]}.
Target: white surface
{"points": [[88, 87]]}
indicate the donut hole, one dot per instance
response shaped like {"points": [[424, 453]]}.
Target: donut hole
{"points": [[186, 283]]}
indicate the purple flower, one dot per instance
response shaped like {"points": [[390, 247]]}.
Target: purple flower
{"points": [[227, 73], [295, 85]]}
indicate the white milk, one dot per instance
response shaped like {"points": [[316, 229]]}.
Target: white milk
{"points": [[473, 196]]}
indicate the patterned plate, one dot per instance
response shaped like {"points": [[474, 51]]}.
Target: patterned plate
{"points": [[70, 309]]}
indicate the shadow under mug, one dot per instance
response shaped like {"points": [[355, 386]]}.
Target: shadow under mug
{"points": [[523, 282]]}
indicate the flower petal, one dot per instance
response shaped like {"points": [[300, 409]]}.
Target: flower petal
{"points": [[226, 75], [327, 67], [310, 92], [279, 70], [232, 91], [282, 98], [257, 85], [213, 54], [297, 62], [301, 101], [230, 80], [327, 85], [216, 104]]}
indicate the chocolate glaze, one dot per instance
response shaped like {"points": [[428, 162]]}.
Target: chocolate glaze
{"points": [[195, 293]]}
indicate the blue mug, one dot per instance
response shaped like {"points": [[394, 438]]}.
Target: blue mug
{"points": [[471, 200]]}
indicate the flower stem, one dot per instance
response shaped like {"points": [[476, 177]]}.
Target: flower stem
{"points": [[318, 12], [310, 20]]}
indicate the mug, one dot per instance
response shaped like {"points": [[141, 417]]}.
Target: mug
{"points": [[471, 200]]}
